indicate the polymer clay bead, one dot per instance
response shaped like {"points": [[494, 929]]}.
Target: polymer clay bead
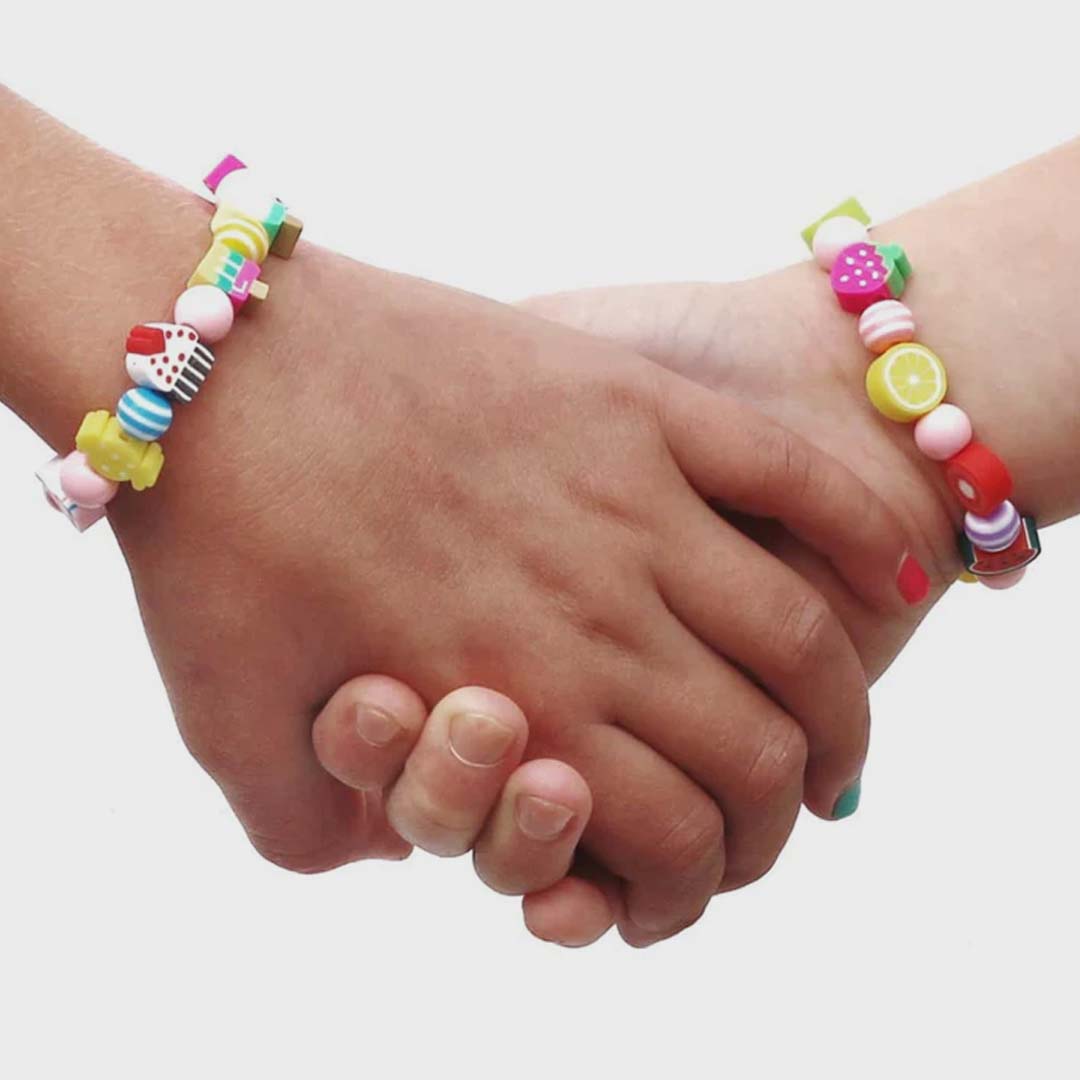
{"points": [[996, 531], [169, 358], [833, 235], [115, 454], [236, 276], [1023, 551], [144, 413], [943, 432], [207, 310], [84, 486], [865, 273], [886, 323], [287, 236], [906, 382], [240, 233], [82, 517], [1003, 581], [229, 163], [978, 478]]}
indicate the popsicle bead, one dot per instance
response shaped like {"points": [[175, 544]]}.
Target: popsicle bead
{"points": [[82, 485], [978, 478], [833, 235], [943, 432], [207, 310], [996, 531], [886, 323]]}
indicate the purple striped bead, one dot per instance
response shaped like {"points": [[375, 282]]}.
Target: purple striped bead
{"points": [[996, 531]]}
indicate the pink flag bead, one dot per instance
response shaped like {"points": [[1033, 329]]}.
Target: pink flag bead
{"points": [[943, 432], [207, 310], [229, 163], [1003, 581], [82, 485], [885, 324], [833, 235]]}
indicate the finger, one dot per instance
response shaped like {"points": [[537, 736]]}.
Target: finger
{"points": [[365, 732], [738, 745], [573, 912], [528, 842], [471, 743], [733, 454], [652, 827], [747, 606]]}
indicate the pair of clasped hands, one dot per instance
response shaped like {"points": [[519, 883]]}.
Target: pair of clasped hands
{"points": [[592, 587]]}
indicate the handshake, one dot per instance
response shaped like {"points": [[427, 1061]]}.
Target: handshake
{"points": [[592, 586]]}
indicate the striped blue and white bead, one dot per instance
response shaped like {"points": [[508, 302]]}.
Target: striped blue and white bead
{"points": [[144, 413]]}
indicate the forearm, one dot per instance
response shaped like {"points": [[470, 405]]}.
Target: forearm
{"points": [[91, 246]]}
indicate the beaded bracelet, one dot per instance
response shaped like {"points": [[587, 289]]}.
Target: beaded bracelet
{"points": [[907, 383], [169, 362]]}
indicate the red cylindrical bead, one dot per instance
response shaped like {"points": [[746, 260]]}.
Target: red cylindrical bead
{"points": [[978, 478]]}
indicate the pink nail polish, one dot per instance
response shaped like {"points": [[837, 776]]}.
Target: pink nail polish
{"points": [[912, 581]]}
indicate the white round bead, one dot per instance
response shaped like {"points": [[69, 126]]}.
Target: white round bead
{"points": [[243, 190], [832, 236]]}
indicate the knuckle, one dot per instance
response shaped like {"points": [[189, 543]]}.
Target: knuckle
{"points": [[789, 464], [778, 766], [695, 840], [803, 631]]}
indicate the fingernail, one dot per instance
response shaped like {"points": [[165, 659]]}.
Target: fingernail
{"points": [[375, 725], [541, 819], [476, 739], [848, 802], [912, 580]]}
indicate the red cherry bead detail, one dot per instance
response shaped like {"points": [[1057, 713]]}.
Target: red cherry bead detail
{"points": [[978, 478]]}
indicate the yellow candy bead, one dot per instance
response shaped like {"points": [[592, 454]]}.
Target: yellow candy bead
{"points": [[906, 382], [114, 454], [240, 233]]}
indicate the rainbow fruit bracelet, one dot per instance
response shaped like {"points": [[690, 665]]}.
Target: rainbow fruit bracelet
{"points": [[907, 383], [169, 361]]}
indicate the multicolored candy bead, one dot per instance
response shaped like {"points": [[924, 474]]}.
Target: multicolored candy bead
{"points": [[169, 358], [144, 413], [240, 233]]}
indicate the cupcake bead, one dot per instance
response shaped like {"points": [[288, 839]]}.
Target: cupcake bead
{"points": [[886, 323]]}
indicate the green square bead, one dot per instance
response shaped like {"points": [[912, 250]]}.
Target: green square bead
{"points": [[851, 208]]}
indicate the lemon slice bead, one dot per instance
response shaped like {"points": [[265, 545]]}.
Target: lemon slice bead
{"points": [[906, 382]]}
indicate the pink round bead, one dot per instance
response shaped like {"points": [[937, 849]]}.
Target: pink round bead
{"points": [[943, 432], [207, 310], [82, 485], [885, 324], [1004, 581]]}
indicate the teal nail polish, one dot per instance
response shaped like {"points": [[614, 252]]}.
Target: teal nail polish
{"points": [[848, 802]]}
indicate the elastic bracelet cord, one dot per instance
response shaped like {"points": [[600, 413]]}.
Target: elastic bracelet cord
{"points": [[169, 362], [907, 383]]}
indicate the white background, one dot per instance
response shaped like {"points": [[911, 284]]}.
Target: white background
{"points": [[513, 148]]}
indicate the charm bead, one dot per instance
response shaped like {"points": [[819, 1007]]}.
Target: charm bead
{"points": [[169, 358], [115, 454], [236, 276], [906, 382], [866, 273], [240, 233]]}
